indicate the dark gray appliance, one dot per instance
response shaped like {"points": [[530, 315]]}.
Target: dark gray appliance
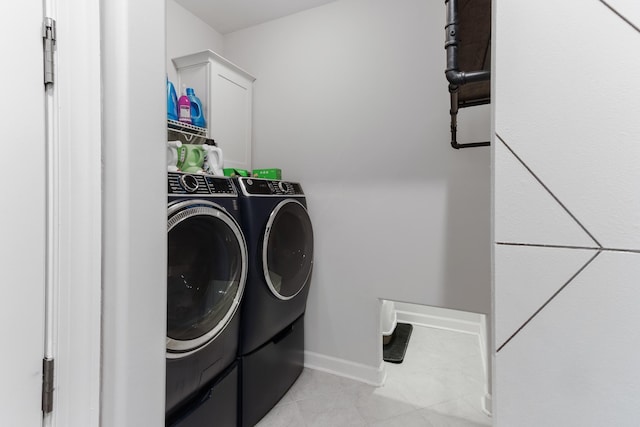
{"points": [[279, 237], [213, 406], [207, 270]]}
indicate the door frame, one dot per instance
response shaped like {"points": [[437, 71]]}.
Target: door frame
{"points": [[109, 313], [74, 275]]}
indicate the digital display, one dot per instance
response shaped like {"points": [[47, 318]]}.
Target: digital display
{"points": [[258, 186], [220, 185]]}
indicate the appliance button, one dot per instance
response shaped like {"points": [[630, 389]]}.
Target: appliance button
{"points": [[189, 183], [284, 187]]}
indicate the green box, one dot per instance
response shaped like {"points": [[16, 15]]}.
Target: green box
{"points": [[267, 173], [235, 172]]}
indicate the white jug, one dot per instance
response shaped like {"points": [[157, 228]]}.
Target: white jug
{"points": [[172, 155], [213, 160]]}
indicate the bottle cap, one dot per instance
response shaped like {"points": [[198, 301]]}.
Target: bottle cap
{"points": [[190, 91]]}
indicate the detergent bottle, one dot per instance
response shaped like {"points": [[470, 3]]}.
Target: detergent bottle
{"points": [[172, 101], [197, 115], [184, 109]]}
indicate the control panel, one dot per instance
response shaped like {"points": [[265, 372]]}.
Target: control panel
{"points": [[270, 187], [199, 184]]}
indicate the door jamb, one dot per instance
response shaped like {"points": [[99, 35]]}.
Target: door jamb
{"points": [[75, 194]]}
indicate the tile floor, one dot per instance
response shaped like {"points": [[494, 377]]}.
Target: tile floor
{"points": [[440, 383]]}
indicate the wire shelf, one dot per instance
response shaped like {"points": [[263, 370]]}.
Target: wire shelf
{"points": [[188, 130]]}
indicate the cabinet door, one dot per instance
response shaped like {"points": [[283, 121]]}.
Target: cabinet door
{"points": [[230, 115], [226, 92]]}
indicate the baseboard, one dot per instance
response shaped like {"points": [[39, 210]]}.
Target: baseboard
{"points": [[484, 348], [345, 368], [487, 404], [440, 322]]}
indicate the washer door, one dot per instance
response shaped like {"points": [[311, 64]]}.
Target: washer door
{"points": [[287, 251], [207, 270]]}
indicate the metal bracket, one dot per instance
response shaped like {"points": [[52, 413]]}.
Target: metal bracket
{"points": [[47, 385], [453, 90], [49, 43], [456, 77]]}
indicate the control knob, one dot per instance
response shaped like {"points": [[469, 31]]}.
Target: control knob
{"points": [[189, 183], [284, 187]]}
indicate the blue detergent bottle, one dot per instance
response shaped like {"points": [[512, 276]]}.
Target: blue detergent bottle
{"points": [[197, 115], [172, 101]]}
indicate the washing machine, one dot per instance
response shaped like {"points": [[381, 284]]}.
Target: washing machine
{"points": [[279, 237], [206, 277]]}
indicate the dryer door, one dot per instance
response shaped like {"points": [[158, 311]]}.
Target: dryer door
{"points": [[287, 251], [207, 269]]}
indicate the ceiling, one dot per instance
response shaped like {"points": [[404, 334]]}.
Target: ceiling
{"points": [[226, 16]]}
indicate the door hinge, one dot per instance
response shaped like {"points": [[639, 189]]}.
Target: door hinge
{"points": [[49, 44], [47, 385]]}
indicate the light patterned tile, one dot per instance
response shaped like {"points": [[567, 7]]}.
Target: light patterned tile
{"points": [[433, 349], [458, 345], [412, 419], [477, 402], [382, 403], [313, 383], [326, 403], [442, 370], [330, 411], [455, 413], [459, 380], [428, 389], [471, 367]]}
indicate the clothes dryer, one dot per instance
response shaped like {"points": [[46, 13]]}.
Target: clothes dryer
{"points": [[279, 237], [215, 405], [207, 270]]}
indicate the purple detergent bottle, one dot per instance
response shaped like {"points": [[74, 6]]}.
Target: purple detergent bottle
{"points": [[184, 108]]}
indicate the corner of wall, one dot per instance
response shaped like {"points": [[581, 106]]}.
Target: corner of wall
{"points": [[375, 376]]}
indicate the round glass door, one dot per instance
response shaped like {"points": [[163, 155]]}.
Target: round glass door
{"points": [[287, 252], [206, 274]]}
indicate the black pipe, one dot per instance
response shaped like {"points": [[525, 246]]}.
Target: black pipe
{"points": [[456, 77], [453, 74], [453, 90], [462, 77]]}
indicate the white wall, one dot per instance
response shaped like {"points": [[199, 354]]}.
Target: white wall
{"points": [[351, 100], [567, 213], [187, 34], [134, 213]]}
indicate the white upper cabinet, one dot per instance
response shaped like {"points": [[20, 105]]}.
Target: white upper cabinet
{"points": [[226, 93]]}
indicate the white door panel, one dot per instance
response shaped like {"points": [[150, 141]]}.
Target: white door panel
{"points": [[22, 213]]}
